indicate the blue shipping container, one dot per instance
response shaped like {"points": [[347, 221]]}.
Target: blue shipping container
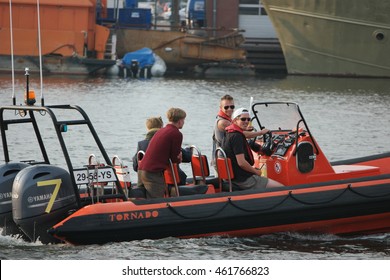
{"points": [[196, 9]]}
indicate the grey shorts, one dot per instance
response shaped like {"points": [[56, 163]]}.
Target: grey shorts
{"points": [[253, 182]]}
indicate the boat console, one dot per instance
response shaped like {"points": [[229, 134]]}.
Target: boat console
{"points": [[290, 154]]}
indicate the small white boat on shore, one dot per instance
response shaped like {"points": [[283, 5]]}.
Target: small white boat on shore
{"points": [[143, 63]]}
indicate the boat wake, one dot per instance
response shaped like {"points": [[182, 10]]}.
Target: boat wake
{"points": [[279, 246]]}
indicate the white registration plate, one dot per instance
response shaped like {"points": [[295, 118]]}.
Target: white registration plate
{"points": [[101, 175]]}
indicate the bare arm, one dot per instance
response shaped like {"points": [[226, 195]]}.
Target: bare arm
{"points": [[252, 134], [222, 124], [245, 165]]}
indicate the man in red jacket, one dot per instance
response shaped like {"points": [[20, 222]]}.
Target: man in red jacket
{"points": [[165, 145], [236, 147]]}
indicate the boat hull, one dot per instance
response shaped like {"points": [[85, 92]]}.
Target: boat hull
{"points": [[337, 38], [337, 209], [56, 65], [180, 51]]}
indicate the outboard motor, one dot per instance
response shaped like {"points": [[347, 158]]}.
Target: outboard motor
{"points": [[146, 72], [42, 195], [8, 173], [134, 68]]}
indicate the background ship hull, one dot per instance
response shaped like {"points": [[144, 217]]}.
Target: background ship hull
{"points": [[338, 38]]}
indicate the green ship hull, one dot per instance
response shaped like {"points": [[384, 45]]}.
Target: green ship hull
{"points": [[333, 37]]}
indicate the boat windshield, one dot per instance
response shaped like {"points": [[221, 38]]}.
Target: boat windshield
{"points": [[277, 116]]}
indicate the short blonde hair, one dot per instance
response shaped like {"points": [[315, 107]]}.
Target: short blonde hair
{"points": [[226, 97], [176, 114], [154, 122]]}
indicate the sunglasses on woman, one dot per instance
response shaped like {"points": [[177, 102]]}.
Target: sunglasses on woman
{"points": [[229, 106], [245, 119]]}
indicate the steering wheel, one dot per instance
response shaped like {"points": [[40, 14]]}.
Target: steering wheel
{"points": [[268, 144]]}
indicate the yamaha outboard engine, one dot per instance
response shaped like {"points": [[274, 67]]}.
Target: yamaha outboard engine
{"points": [[8, 173], [42, 195]]}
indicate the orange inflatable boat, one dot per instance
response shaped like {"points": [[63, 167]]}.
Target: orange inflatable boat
{"points": [[91, 204]]}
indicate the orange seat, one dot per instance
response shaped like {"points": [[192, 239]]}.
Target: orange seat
{"points": [[171, 175], [224, 168], [199, 165]]}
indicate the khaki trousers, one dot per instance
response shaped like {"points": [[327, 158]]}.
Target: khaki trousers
{"points": [[153, 182]]}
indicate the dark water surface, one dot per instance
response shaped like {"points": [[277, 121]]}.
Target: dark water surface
{"points": [[348, 117]]}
